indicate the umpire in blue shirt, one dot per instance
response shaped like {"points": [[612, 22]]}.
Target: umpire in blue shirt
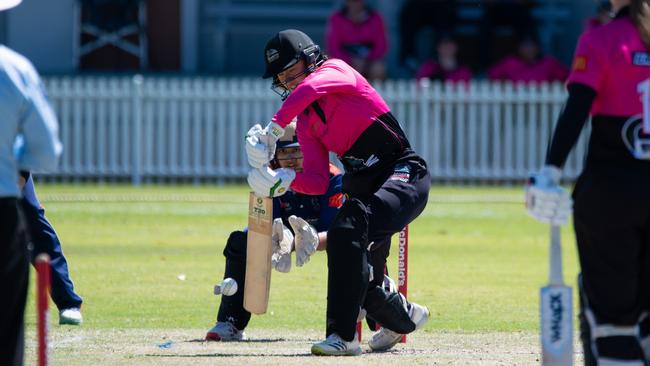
{"points": [[26, 116]]}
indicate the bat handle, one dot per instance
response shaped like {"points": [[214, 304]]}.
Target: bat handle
{"points": [[555, 276]]}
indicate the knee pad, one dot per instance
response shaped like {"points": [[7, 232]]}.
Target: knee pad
{"points": [[350, 225], [236, 246], [607, 344]]}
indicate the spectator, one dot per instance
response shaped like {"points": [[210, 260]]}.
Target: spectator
{"points": [[356, 35], [528, 65], [445, 66], [440, 15], [602, 17]]}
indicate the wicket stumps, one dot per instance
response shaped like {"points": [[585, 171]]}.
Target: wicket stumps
{"points": [[403, 264], [42, 264], [402, 271]]}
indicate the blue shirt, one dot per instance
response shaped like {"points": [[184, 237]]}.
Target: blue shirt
{"points": [[318, 211], [24, 112]]}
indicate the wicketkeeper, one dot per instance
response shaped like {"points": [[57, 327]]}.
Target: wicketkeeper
{"points": [[304, 216]]}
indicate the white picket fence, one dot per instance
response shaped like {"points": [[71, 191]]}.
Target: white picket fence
{"points": [[172, 128]]}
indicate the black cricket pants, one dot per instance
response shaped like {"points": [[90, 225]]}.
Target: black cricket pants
{"points": [[398, 201], [612, 226]]}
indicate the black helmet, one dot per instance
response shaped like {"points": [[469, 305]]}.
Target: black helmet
{"points": [[286, 48]]}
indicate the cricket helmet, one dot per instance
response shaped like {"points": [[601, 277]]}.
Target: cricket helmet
{"points": [[286, 48]]}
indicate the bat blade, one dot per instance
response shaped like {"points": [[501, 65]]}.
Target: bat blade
{"points": [[258, 254], [556, 310], [556, 305]]}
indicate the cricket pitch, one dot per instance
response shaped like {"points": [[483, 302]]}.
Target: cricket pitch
{"points": [[77, 346]]}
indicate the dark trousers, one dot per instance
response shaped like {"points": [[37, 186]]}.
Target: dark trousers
{"points": [[231, 308], [14, 278], [45, 240], [612, 225], [398, 201]]}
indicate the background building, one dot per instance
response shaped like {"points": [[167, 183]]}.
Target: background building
{"points": [[223, 37]]}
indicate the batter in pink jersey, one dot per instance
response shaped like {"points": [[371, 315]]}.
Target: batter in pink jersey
{"points": [[386, 183], [610, 80]]}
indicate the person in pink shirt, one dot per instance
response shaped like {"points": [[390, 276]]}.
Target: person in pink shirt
{"points": [[356, 35], [386, 184], [610, 80], [445, 67], [528, 65]]}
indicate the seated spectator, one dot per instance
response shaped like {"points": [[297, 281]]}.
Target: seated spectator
{"points": [[356, 35], [416, 15], [602, 17], [528, 65], [445, 66]]}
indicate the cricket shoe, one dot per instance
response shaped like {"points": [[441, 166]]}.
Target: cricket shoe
{"points": [[385, 339], [225, 332], [336, 346], [70, 316]]}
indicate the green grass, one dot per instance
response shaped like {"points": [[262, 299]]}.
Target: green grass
{"points": [[478, 266]]}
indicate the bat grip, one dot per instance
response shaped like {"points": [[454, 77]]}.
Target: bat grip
{"points": [[555, 276]]}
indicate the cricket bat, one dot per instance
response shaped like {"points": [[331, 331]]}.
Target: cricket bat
{"points": [[258, 254], [556, 311]]}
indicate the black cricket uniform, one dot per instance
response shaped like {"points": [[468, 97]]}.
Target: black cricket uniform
{"points": [[610, 80]]}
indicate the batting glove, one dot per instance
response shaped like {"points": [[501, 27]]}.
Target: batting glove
{"points": [[306, 239], [271, 183], [260, 143], [282, 244], [546, 200]]}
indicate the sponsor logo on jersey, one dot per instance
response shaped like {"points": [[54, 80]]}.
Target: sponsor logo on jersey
{"points": [[580, 63], [641, 58], [401, 173]]}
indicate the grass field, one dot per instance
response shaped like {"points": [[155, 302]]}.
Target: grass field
{"points": [[476, 259]]}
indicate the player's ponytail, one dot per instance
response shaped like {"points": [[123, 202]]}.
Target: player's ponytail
{"points": [[640, 14]]}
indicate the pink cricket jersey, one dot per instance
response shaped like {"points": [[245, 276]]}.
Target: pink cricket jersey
{"points": [[350, 105], [516, 70], [613, 61], [342, 32]]}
